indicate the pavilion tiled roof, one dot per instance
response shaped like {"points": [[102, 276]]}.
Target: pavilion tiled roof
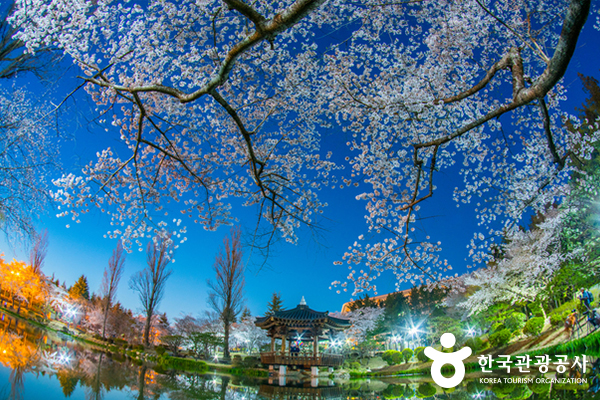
{"points": [[301, 316]]}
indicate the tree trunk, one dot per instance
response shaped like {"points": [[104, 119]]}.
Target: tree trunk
{"points": [[226, 342], [147, 329], [105, 318], [142, 382]]}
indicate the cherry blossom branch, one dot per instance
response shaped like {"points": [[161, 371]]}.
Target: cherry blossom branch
{"points": [[248, 11], [574, 21], [536, 50], [546, 119], [271, 28]]}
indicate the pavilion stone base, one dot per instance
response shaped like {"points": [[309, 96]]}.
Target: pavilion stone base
{"points": [[282, 370], [314, 371], [314, 382]]}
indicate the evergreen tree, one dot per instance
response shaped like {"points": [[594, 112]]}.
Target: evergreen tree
{"points": [[246, 313], [364, 302], [275, 304], [68, 383], [397, 308], [80, 290]]}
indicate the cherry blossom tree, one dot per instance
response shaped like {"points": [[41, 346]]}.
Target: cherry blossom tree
{"points": [[26, 157], [364, 320], [223, 99], [528, 263], [248, 335]]}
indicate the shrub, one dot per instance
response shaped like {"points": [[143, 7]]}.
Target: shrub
{"points": [[476, 344], [387, 356], [534, 326], [557, 319], [497, 327], [393, 392], [251, 362], [182, 364], [515, 322], [397, 357], [500, 338], [420, 354], [407, 354], [237, 361], [139, 347], [160, 350], [485, 344], [472, 344], [426, 389], [354, 365]]}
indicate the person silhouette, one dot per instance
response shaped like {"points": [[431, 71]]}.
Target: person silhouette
{"points": [[455, 359]]}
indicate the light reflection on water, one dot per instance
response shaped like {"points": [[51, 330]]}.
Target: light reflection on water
{"points": [[36, 364]]}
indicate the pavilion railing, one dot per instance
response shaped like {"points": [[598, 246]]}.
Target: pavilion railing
{"points": [[275, 358]]}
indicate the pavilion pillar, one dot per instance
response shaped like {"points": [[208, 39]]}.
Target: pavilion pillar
{"points": [[272, 344], [283, 339]]}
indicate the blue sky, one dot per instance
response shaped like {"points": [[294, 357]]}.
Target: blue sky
{"points": [[305, 269]]}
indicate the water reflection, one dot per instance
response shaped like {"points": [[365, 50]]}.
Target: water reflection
{"points": [[33, 361]]}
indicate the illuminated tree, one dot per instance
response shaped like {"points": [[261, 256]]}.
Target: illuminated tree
{"points": [[224, 99], [530, 260], [80, 290], [227, 290], [151, 281], [110, 281], [248, 335], [364, 320]]}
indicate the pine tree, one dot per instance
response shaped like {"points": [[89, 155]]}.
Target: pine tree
{"points": [[68, 382], [80, 290], [275, 305], [246, 313]]}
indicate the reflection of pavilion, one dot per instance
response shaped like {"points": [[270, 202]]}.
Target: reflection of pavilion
{"points": [[300, 392], [300, 324]]}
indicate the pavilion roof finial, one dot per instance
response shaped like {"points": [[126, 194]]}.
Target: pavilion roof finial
{"points": [[302, 302]]}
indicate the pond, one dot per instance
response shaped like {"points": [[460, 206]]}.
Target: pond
{"points": [[39, 364]]}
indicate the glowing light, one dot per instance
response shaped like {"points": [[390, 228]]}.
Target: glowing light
{"points": [[470, 331], [61, 357]]}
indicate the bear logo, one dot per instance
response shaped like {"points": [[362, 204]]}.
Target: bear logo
{"points": [[455, 359]]}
